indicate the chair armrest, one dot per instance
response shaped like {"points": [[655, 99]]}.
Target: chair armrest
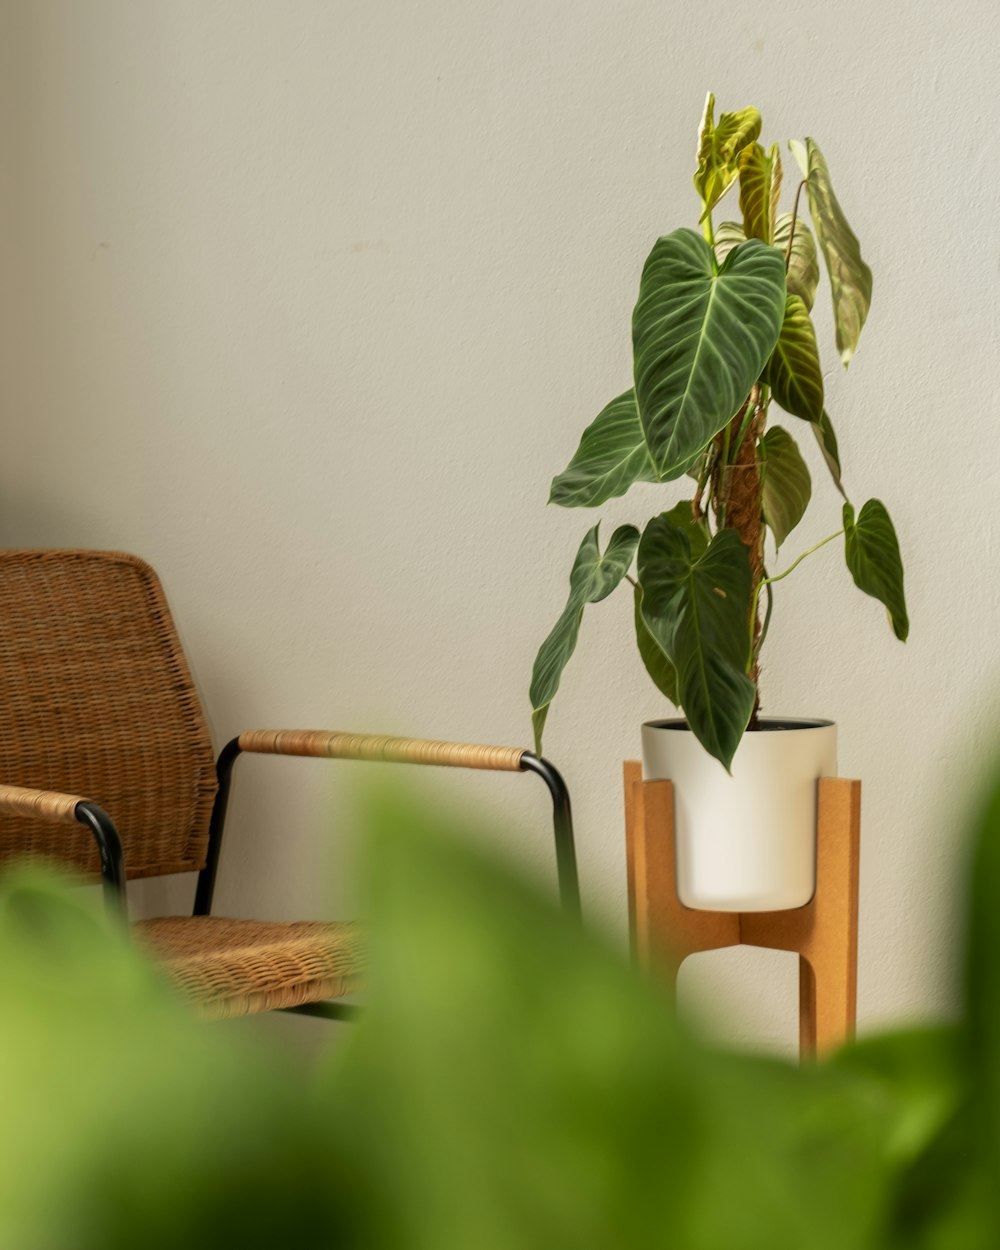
{"points": [[323, 744], [69, 809], [345, 746]]}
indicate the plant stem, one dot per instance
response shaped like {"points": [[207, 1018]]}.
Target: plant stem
{"points": [[769, 581], [791, 233], [709, 232]]}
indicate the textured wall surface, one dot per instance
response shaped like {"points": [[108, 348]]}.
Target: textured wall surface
{"points": [[307, 301]]}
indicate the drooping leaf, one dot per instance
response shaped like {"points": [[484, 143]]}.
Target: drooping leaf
{"points": [[850, 277], [802, 277], [760, 187], [697, 609], [611, 456], [793, 372], [872, 554], [728, 234], [786, 485], [659, 668], [719, 151], [701, 339], [593, 577], [827, 439]]}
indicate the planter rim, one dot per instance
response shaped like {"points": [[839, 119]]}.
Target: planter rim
{"points": [[791, 723]]}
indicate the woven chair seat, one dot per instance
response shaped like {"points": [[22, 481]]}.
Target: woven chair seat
{"points": [[229, 968]]}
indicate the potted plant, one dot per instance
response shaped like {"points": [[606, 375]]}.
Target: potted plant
{"points": [[722, 330]]}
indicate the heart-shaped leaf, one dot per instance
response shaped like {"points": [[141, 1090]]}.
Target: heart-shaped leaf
{"points": [[697, 609], [872, 554], [786, 485], [802, 262], [659, 668], [827, 439], [850, 277], [794, 372], [593, 577], [719, 151], [611, 456], [701, 339], [760, 187]]}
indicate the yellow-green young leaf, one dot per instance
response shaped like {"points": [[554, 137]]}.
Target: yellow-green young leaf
{"points": [[728, 234], [794, 372], [827, 439], [760, 187], [802, 262], [850, 277], [786, 485], [719, 151], [872, 553], [611, 456]]}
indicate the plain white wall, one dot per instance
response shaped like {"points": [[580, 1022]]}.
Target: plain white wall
{"points": [[306, 302]]}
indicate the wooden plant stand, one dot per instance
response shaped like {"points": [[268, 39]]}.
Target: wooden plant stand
{"points": [[824, 933]]}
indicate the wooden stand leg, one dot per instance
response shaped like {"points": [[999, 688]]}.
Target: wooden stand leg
{"points": [[824, 933]]}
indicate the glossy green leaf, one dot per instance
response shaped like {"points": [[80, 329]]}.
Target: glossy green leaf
{"points": [[657, 665], [793, 372], [760, 188], [611, 456], [701, 339], [719, 151], [697, 608], [786, 485], [802, 277], [827, 439], [593, 577], [872, 554], [850, 277]]}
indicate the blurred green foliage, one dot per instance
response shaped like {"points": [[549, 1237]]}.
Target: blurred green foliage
{"points": [[512, 1085]]}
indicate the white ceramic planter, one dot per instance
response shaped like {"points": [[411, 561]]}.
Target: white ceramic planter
{"points": [[745, 842]]}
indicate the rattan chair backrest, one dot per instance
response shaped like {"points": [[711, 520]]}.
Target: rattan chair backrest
{"points": [[97, 700]]}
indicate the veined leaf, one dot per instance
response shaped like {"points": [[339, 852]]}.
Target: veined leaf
{"points": [[786, 485], [611, 456], [728, 234], [719, 151], [659, 668], [794, 372], [872, 554], [827, 439], [760, 187], [701, 339], [850, 277], [802, 277], [593, 577], [697, 609]]}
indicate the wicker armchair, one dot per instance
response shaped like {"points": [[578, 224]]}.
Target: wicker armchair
{"points": [[101, 731]]}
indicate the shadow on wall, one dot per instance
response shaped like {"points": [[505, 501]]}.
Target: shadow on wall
{"points": [[512, 1084]]}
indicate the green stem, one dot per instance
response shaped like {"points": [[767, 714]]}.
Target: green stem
{"points": [[709, 232], [791, 232], [769, 581]]}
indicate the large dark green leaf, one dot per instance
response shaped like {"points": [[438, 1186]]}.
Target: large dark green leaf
{"points": [[872, 554], [827, 439], [593, 577], [794, 372], [850, 277], [760, 187], [697, 609], [803, 263], [701, 339], [786, 485], [661, 671], [611, 456], [719, 151]]}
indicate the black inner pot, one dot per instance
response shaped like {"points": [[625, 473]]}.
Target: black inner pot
{"points": [[764, 725]]}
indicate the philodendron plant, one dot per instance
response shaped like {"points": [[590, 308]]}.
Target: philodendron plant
{"points": [[721, 330]]}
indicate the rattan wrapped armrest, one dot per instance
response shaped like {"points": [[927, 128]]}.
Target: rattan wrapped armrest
{"points": [[346, 746], [59, 809]]}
